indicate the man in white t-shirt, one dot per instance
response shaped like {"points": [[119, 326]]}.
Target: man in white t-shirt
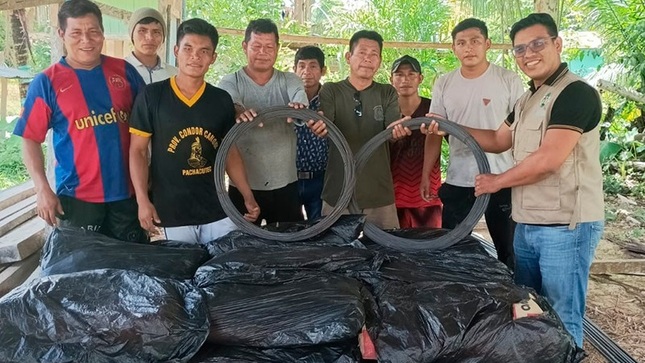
{"points": [[478, 94], [147, 30]]}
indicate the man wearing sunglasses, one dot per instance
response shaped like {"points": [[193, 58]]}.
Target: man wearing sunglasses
{"points": [[556, 182], [477, 94], [361, 108]]}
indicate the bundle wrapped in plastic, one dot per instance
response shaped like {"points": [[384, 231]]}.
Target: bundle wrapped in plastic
{"points": [[342, 233], [70, 250], [342, 352], [102, 316], [274, 308], [458, 305], [344, 260]]}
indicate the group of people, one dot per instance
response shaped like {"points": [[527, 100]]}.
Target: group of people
{"points": [[135, 141]]}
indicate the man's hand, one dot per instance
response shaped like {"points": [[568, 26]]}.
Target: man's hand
{"points": [[253, 210], [486, 184], [424, 189], [319, 128], [432, 129], [247, 116], [48, 206], [398, 131], [148, 217]]}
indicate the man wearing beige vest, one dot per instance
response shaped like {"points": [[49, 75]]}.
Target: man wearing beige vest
{"points": [[557, 195]]}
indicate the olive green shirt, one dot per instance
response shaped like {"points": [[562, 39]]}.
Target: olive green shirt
{"points": [[379, 106]]}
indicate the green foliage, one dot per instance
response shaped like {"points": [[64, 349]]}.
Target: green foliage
{"points": [[12, 169]]}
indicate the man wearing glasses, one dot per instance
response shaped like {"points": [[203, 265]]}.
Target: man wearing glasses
{"points": [[477, 94], [361, 108], [557, 180]]}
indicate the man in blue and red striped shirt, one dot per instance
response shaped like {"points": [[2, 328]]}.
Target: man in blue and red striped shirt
{"points": [[86, 99]]}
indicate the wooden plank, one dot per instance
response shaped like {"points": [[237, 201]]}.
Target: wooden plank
{"points": [[628, 266], [20, 4], [16, 273], [22, 241], [15, 194], [305, 39], [17, 218], [114, 11], [16, 208]]}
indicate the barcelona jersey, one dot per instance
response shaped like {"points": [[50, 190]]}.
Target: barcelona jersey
{"points": [[88, 112]]}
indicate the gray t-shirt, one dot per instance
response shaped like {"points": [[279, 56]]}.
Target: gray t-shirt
{"points": [[269, 152], [483, 103]]}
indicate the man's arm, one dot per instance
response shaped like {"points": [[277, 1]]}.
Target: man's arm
{"points": [[47, 203], [546, 160], [237, 172], [139, 171], [431, 153]]}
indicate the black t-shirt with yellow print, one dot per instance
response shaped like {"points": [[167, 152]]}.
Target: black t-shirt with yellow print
{"points": [[185, 136]]}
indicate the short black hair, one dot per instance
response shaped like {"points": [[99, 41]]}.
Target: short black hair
{"points": [[543, 19], [365, 34], [310, 52], [261, 26], [77, 9], [468, 24], [199, 27]]}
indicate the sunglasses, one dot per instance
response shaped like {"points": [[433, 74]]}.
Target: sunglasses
{"points": [[534, 45], [358, 105]]}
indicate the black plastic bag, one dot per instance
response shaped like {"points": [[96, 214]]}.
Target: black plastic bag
{"points": [[456, 305], [272, 308], [102, 316], [343, 352], [70, 250], [342, 233], [461, 322], [344, 260]]}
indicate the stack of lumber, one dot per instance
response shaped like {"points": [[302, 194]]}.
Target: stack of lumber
{"points": [[22, 235]]}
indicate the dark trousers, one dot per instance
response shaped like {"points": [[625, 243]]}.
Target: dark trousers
{"points": [[278, 205], [309, 191], [118, 219], [457, 203]]}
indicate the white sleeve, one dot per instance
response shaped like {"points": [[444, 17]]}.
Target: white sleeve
{"points": [[437, 106]]}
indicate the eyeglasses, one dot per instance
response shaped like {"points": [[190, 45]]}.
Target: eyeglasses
{"points": [[535, 46], [358, 105]]}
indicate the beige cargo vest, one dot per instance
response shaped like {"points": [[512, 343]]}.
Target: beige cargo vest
{"points": [[574, 193]]}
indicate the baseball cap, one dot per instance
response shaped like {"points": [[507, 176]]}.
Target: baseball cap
{"points": [[143, 13], [406, 59]]}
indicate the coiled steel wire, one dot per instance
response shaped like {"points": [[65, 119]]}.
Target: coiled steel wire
{"points": [[458, 233], [280, 114]]}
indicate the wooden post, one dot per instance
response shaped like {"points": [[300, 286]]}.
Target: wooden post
{"points": [[3, 100], [302, 11]]}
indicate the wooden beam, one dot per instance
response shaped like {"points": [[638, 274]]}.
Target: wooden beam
{"points": [[114, 11], [17, 214], [12, 275], [22, 241], [629, 94], [306, 39], [13, 195], [628, 266], [20, 4]]}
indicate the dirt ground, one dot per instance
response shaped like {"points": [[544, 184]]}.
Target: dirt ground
{"points": [[616, 302]]}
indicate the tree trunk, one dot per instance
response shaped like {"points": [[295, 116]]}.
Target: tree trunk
{"points": [[548, 6], [21, 44]]}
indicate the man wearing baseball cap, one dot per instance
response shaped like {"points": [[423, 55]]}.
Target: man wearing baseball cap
{"points": [[147, 31], [406, 155]]}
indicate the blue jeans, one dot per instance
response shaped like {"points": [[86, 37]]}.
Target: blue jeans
{"points": [[309, 191], [555, 261]]}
